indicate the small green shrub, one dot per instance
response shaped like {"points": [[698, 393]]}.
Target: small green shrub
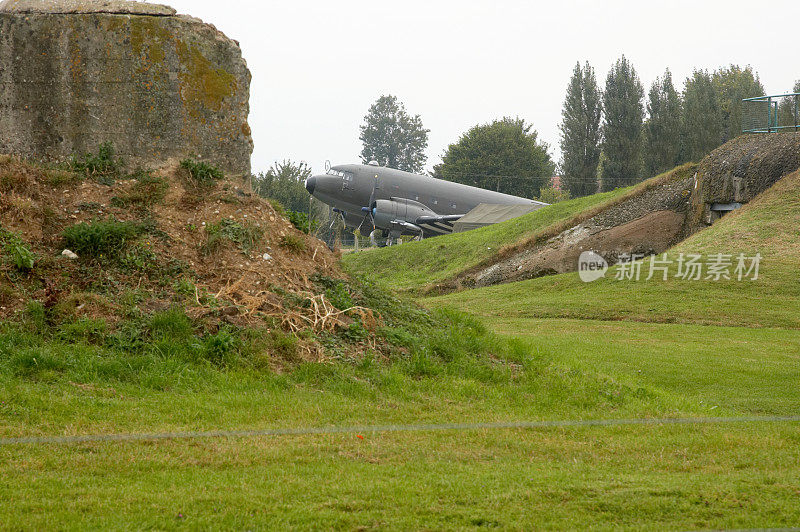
{"points": [[302, 221], [553, 195], [245, 237], [201, 172], [23, 258], [140, 258], [16, 251], [336, 292], [220, 346], [101, 238], [293, 243], [102, 165]]}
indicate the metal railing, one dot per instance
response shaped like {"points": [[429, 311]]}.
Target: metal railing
{"points": [[771, 114]]}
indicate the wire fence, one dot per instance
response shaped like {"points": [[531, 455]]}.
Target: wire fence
{"points": [[771, 114]]}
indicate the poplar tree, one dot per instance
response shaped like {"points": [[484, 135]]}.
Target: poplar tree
{"points": [[580, 132], [622, 126], [788, 107], [702, 121], [662, 131]]}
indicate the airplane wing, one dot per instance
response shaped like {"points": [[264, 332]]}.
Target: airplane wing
{"points": [[439, 225]]}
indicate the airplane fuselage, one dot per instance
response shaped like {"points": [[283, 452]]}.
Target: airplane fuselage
{"points": [[358, 190]]}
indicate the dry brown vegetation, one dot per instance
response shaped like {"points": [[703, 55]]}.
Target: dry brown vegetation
{"points": [[215, 249]]}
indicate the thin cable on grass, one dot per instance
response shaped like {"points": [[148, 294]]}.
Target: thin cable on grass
{"points": [[575, 423]]}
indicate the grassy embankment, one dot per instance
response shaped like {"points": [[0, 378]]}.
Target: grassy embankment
{"points": [[417, 265], [767, 226]]}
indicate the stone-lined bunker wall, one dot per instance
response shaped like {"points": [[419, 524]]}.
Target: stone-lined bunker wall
{"points": [[77, 73]]}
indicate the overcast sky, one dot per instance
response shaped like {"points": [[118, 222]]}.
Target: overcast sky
{"points": [[318, 65]]}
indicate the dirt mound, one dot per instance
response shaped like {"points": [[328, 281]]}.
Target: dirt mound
{"points": [[159, 239]]}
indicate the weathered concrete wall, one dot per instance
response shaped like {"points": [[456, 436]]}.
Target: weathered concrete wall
{"points": [[159, 86], [741, 169]]}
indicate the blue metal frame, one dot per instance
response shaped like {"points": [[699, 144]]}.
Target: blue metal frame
{"points": [[772, 110]]}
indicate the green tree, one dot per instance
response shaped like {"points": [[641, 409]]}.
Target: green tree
{"points": [[392, 137], [504, 155], [732, 85], [662, 130], [789, 108], [622, 126], [702, 120], [285, 183], [580, 132]]}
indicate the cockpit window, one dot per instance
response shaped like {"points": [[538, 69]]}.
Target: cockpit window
{"points": [[347, 176]]}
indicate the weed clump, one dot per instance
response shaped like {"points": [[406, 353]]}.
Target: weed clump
{"points": [[148, 190], [302, 221], [203, 173], [335, 291], [293, 243], [103, 166], [101, 238], [12, 181], [244, 236], [220, 346], [15, 250]]}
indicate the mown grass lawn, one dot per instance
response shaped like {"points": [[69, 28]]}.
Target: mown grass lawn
{"points": [[636, 478], [677, 477]]}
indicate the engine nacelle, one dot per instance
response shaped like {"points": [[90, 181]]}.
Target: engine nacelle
{"points": [[387, 214]]}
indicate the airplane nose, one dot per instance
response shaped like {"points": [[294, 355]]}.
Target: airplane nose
{"points": [[311, 182]]}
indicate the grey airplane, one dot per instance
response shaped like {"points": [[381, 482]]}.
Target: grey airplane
{"points": [[372, 198]]}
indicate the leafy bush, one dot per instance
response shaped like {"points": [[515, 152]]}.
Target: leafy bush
{"points": [[16, 250], [23, 257], [302, 221], [101, 237], [219, 346], [202, 172], [292, 242], [335, 291], [140, 258], [244, 236], [553, 195], [284, 183], [101, 165]]}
